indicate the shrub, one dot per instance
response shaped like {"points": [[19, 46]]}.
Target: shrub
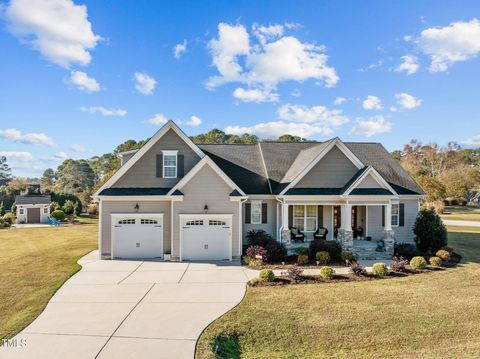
{"points": [[435, 261], [448, 249], [9, 218], [69, 207], [92, 209], [257, 252], [275, 251], [294, 272], [327, 272], [443, 255], [418, 263], [266, 275], [58, 214], [2, 223], [406, 250], [357, 268], [332, 247], [431, 234], [254, 262], [380, 269], [399, 265], [303, 250], [2, 209], [347, 256], [302, 259], [323, 257]]}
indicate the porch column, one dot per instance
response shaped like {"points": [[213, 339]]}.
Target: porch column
{"points": [[285, 235], [388, 233], [345, 233]]}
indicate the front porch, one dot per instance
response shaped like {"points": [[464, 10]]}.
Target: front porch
{"points": [[366, 232]]}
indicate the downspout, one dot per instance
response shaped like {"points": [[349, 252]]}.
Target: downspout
{"points": [[280, 230], [240, 225]]}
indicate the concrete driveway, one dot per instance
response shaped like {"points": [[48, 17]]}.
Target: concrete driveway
{"points": [[132, 309]]}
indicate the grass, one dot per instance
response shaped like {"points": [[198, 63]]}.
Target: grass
{"points": [[460, 213], [429, 315], [34, 263]]}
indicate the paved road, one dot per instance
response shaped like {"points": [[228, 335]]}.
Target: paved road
{"points": [[450, 222], [132, 309]]}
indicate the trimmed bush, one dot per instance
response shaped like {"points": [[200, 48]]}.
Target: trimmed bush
{"points": [[380, 269], [406, 250], [294, 272], [399, 265], [443, 255], [357, 269], [254, 263], [448, 249], [332, 247], [9, 218], [435, 261], [58, 215], [347, 256], [266, 275], [2, 223], [257, 252], [418, 263], [276, 252], [323, 257], [431, 234], [302, 259], [327, 272], [303, 250]]}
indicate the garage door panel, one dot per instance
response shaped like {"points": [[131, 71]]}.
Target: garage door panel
{"points": [[138, 237]]}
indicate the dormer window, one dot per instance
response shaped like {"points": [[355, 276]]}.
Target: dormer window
{"points": [[170, 164]]}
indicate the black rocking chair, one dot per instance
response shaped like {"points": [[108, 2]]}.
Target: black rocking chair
{"points": [[296, 235], [320, 233]]}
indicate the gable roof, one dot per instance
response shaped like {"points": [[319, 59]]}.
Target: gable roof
{"points": [[360, 176], [33, 199], [170, 125]]}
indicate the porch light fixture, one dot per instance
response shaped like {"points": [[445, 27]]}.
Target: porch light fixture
{"points": [[205, 209], [137, 207]]}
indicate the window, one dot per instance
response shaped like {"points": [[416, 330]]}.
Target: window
{"points": [[169, 164], [45, 210], [22, 211], [148, 221], [215, 222], [305, 217], [256, 213], [127, 221], [197, 222], [395, 215]]}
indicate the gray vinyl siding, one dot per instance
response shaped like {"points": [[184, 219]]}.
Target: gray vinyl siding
{"points": [[126, 157], [332, 171], [143, 172], [205, 188], [269, 227], [109, 207], [368, 182]]}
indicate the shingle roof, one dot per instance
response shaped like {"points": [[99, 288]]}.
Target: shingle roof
{"points": [[33, 199], [315, 191], [137, 191], [371, 191]]}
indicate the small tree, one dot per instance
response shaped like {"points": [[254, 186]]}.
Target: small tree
{"points": [[2, 209], [69, 207], [431, 234]]}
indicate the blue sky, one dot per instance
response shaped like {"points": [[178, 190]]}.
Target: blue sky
{"points": [[78, 78]]}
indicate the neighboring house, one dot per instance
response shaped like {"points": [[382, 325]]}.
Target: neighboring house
{"points": [[197, 202], [33, 208]]}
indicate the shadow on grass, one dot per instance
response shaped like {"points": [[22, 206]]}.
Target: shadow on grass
{"points": [[226, 346]]}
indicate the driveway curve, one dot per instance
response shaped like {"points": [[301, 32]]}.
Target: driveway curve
{"points": [[131, 309]]}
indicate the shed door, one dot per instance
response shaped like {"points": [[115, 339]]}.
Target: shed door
{"points": [[33, 215]]}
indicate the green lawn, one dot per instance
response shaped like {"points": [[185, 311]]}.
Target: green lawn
{"points": [[34, 263], [430, 315], [462, 213]]}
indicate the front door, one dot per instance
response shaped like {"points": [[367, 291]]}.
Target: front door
{"points": [[337, 219]]}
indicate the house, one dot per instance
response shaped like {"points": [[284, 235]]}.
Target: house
{"points": [[33, 208], [197, 202]]}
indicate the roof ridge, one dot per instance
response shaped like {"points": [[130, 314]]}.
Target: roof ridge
{"points": [[265, 167]]}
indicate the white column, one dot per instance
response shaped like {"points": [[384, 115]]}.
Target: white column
{"points": [[285, 223], [346, 216], [388, 217]]}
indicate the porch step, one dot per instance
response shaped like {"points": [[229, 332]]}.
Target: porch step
{"points": [[367, 254]]}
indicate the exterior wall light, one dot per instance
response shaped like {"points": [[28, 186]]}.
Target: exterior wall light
{"points": [[137, 207], [205, 209]]}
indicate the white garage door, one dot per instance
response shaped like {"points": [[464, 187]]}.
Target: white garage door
{"points": [[137, 235], [206, 237]]}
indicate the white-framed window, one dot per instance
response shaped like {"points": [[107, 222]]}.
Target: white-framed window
{"points": [[395, 214], [305, 217], [256, 212], [45, 210], [22, 211], [170, 164]]}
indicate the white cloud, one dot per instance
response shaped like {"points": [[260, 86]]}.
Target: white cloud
{"points": [[104, 111], [179, 49], [459, 41], [472, 142], [58, 29], [275, 129], [339, 100], [27, 138], [83, 82], [77, 148], [371, 126], [407, 101], [372, 103], [409, 65], [144, 83], [274, 58], [61, 156], [320, 115], [19, 156], [255, 95], [194, 121], [158, 119]]}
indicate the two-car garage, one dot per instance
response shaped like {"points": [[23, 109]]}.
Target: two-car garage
{"points": [[202, 236]]}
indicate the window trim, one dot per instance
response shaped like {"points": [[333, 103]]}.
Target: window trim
{"points": [[397, 204], [45, 210], [252, 205], [170, 153], [21, 211], [306, 217]]}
